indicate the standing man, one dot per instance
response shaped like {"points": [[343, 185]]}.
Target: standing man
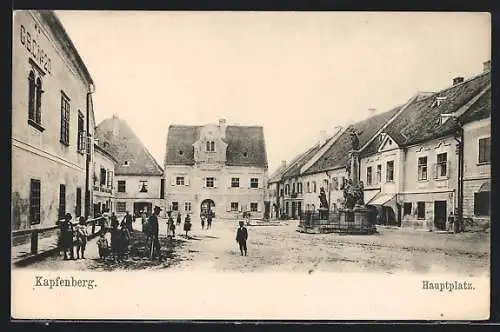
{"points": [[153, 231], [66, 236], [127, 219], [241, 238]]}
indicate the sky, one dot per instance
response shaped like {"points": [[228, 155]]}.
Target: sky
{"points": [[294, 73]]}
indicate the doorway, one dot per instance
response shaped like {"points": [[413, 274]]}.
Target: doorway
{"points": [[207, 206], [294, 210], [440, 215], [139, 206]]}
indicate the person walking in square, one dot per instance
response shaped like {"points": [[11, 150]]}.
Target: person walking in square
{"points": [[125, 240], [153, 230], [179, 219], [187, 225], [81, 238], [170, 225], [241, 238], [209, 220]]}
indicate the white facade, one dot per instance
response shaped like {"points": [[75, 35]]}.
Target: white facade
{"points": [[103, 197], [134, 193], [49, 83]]}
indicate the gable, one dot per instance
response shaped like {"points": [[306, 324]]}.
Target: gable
{"points": [[388, 143]]}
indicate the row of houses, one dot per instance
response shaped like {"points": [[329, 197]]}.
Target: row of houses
{"points": [[63, 161], [419, 161]]}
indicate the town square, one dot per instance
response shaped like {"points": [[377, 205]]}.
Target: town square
{"points": [[278, 146]]}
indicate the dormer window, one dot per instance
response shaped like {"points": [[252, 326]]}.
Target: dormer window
{"points": [[106, 144], [210, 146], [181, 152], [245, 154], [125, 163], [438, 101]]}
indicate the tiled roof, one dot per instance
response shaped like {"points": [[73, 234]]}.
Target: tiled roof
{"points": [[276, 176], [480, 110], [296, 165], [420, 121], [245, 145], [118, 138], [337, 155]]}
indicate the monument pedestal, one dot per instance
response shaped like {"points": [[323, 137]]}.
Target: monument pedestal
{"points": [[356, 221]]}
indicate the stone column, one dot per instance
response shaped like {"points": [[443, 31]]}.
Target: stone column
{"points": [[354, 154]]}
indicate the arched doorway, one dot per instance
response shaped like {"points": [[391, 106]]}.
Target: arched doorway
{"points": [[207, 206]]}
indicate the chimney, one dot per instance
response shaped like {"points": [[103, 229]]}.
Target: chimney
{"points": [[322, 137], [222, 126], [283, 163], [458, 80], [115, 115], [487, 65], [372, 111]]}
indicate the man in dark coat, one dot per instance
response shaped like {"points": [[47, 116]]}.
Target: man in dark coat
{"points": [[127, 219], [153, 229], [241, 238], [66, 236]]}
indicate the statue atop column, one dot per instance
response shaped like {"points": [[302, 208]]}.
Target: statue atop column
{"points": [[354, 139]]}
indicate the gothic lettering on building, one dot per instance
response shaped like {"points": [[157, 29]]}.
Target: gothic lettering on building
{"points": [[33, 46]]}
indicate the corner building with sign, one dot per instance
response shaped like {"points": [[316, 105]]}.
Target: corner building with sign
{"points": [[218, 167], [52, 123]]}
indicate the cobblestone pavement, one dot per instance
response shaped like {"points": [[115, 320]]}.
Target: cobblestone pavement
{"points": [[281, 248]]}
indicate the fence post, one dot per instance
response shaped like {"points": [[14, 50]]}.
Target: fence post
{"points": [[34, 242]]}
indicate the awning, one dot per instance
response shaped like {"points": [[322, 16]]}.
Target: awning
{"points": [[382, 199], [369, 194]]}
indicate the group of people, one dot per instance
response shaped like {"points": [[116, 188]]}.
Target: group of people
{"points": [[114, 238], [71, 234], [206, 217]]}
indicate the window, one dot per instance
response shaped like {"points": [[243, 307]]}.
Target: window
{"points": [[281, 192], [65, 108], [421, 210], [254, 207], [121, 206], [81, 133], [179, 180], [293, 188], [442, 165], [62, 201], [175, 206], [34, 98], [103, 176], [379, 173], [482, 203], [187, 206], [335, 183], [121, 186], [109, 182], [314, 186], [125, 163], [287, 189], [162, 188], [35, 201], [484, 150], [422, 168], [299, 187], [308, 186], [407, 209], [235, 182], [390, 171], [78, 209], [210, 146], [369, 176], [210, 182], [254, 183], [326, 184], [144, 186], [234, 206]]}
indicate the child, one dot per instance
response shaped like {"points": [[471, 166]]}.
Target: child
{"points": [[179, 219], [103, 246], [81, 238]]}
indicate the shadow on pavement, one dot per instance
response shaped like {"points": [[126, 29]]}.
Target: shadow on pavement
{"points": [[138, 256]]}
